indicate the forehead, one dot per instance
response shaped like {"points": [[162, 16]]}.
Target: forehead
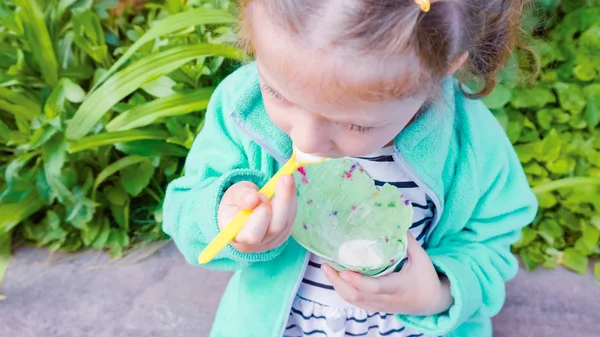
{"points": [[326, 71]]}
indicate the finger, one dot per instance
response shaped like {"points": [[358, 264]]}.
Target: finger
{"points": [[414, 251], [344, 289], [255, 228], [281, 205], [293, 204], [364, 283], [246, 196]]}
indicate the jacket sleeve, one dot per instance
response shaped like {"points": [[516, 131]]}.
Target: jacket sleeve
{"points": [[477, 259], [216, 161]]}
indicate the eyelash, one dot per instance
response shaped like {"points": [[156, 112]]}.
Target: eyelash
{"points": [[272, 92], [352, 127], [360, 129]]}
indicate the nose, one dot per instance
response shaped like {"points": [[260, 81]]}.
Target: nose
{"points": [[310, 136]]}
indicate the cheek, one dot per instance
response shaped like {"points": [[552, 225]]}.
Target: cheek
{"points": [[279, 117]]}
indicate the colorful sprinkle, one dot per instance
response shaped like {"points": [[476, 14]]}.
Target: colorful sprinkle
{"points": [[309, 202], [305, 227], [407, 202], [392, 204], [362, 170], [303, 173], [398, 226], [378, 204], [392, 261], [348, 174], [387, 239], [354, 208], [334, 213], [374, 194]]}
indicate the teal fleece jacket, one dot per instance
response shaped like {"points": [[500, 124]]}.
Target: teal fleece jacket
{"points": [[456, 150]]}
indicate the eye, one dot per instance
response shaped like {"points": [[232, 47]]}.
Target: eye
{"points": [[360, 129], [272, 92]]}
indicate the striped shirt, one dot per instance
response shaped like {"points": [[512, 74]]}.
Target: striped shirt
{"points": [[318, 305]]}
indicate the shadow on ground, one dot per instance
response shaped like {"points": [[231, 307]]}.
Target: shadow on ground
{"points": [[79, 296]]}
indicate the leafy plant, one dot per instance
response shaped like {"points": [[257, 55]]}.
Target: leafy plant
{"points": [[97, 112], [554, 126]]}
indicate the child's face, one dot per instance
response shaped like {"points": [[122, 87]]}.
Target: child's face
{"points": [[307, 93]]}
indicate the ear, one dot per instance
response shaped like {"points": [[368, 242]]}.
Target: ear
{"points": [[457, 63]]}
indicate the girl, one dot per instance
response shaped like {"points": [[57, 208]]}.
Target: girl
{"points": [[370, 79]]}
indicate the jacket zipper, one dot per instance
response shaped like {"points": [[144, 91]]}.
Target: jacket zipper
{"points": [[259, 141], [296, 287], [403, 163]]}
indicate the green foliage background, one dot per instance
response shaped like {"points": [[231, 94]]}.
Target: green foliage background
{"points": [[97, 112]]}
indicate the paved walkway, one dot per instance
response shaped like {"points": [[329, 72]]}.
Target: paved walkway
{"points": [[80, 296]]}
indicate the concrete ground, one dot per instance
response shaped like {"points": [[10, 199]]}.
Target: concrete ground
{"points": [[81, 295]]}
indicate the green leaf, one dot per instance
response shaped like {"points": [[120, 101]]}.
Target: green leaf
{"points": [[589, 47], [116, 195], [151, 148], [592, 92], [46, 232], [570, 97], [54, 155], [545, 118], [549, 150], [547, 200], [39, 39], [160, 87], [17, 110], [103, 234], [530, 262], [21, 99], [588, 242], [535, 97], [527, 152], [170, 24], [173, 105], [117, 242], [552, 229], [131, 78], [66, 90], [5, 253], [596, 271], [528, 235], [90, 233], [80, 211], [135, 178], [12, 214], [121, 215], [89, 36], [111, 138], [584, 72], [575, 261], [498, 98], [561, 166], [116, 167]]}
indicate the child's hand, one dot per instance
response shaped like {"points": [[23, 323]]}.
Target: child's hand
{"points": [[415, 290], [271, 222]]}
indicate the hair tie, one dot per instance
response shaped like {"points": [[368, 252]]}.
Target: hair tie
{"points": [[424, 4]]}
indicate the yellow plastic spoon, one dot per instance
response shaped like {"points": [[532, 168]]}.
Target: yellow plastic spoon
{"points": [[236, 224]]}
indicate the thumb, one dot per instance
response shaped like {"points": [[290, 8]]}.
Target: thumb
{"points": [[415, 251]]}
